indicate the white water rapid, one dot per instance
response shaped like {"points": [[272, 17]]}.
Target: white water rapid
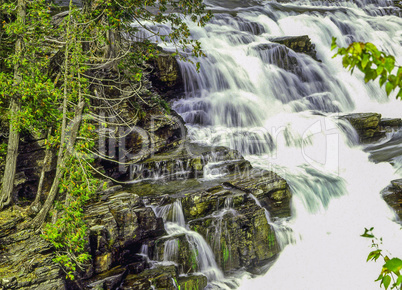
{"points": [[286, 121]]}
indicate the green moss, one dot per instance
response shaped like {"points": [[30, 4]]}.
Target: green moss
{"points": [[225, 252], [271, 240], [194, 260]]}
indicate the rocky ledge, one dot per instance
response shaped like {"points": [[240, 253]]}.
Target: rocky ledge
{"points": [[128, 229], [370, 126]]}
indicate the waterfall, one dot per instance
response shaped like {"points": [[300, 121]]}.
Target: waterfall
{"points": [[279, 108]]}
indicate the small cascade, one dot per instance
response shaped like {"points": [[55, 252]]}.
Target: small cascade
{"points": [[172, 169], [172, 213], [144, 250], [220, 238], [175, 224], [171, 250], [283, 231]]}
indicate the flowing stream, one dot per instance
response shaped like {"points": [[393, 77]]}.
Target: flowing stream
{"points": [[285, 119]]}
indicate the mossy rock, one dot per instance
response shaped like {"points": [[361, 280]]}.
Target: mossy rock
{"points": [[161, 277], [192, 282]]}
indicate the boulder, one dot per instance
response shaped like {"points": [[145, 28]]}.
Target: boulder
{"points": [[367, 126], [279, 55], [301, 44], [393, 196]]}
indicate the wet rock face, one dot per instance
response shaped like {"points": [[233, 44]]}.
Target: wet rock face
{"points": [[271, 190], [239, 237], [177, 249], [393, 196], [166, 78], [187, 161], [232, 222], [118, 224]]}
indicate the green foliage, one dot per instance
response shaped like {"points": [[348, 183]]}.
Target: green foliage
{"points": [[69, 233], [36, 92], [391, 269], [56, 64], [373, 63]]}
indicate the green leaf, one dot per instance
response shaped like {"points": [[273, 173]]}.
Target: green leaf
{"points": [[389, 63], [394, 265], [365, 60], [379, 277], [399, 280], [399, 95], [357, 46], [380, 68], [333, 44], [374, 255], [367, 233], [383, 79], [386, 281], [388, 88]]}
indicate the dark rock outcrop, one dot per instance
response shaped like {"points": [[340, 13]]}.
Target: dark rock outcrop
{"points": [[166, 78], [301, 44], [117, 228], [367, 126], [393, 196]]}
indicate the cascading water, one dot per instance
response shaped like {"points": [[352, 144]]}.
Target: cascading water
{"points": [[279, 109], [175, 224]]}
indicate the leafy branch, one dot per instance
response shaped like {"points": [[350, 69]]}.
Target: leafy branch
{"points": [[373, 63], [392, 266]]}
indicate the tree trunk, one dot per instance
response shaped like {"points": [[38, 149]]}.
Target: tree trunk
{"points": [[35, 206], [14, 135], [64, 154]]}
